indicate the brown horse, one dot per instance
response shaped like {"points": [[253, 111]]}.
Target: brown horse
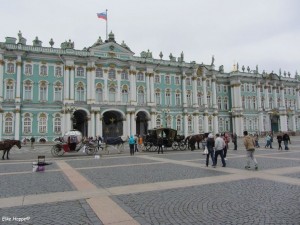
{"points": [[6, 145], [192, 139]]}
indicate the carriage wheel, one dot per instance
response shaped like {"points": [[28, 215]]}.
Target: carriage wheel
{"points": [[90, 150], [175, 145], [57, 150], [147, 146], [182, 146], [153, 148]]}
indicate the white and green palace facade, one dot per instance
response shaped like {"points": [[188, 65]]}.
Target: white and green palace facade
{"points": [[106, 90]]}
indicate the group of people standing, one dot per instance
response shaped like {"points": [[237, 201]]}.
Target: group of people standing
{"points": [[281, 137], [219, 146], [133, 143]]}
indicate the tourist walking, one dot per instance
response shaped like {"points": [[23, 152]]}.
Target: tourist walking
{"points": [[219, 148], [279, 140], [249, 145], [268, 141], [210, 144], [286, 140], [256, 141], [136, 143], [131, 144], [234, 141], [32, 140]]}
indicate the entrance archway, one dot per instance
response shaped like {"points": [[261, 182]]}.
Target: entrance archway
{"points": [[80, 123], [112, 124], [274, 123], [141, 123]]}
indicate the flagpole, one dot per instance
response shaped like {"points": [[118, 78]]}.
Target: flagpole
{"points": [[106, 24]]}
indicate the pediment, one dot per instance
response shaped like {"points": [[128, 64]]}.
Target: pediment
{"points": [[111, 50]]}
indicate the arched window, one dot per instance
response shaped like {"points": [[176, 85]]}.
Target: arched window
{"points": [[158, 122], [242, 87], [199, 98], [140, 76], [249, 102], [57, 124], [27, 124], [28, 69], [112, 74], [112, 94], [221, 124], [8, 124], [200, 124], [156, 79], [99, 73], [254, 102], [178, 98], [243, 102], [226, 103], [188, 81], [58, 92], [124, 75], [167, 79], [99, 93], [189, 98], [190, 124], [125, 94], [80, 92], [9, 90], [177, 80], [10, 68], [42, 121], [58, 71], [219, 103], [178, 124], [43, 91], [141, 96], [80, 72], [168, 98], [44, 71], [208, 99]]}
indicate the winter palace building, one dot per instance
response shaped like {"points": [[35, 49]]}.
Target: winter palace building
{"points": [[106, 90]]}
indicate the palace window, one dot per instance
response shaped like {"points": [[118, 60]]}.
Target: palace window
{"points": [[99, 73], [168, 98], [157, 97], [80, 72], [219, 103], [125, 94], [10, 68], [242, 88], [178, 124], [219, 88], [57, 124], [43, 91], [177, 80], [198, 82], [189, 98], [140, 76], [27, 125], [254, 102], [190, 124], [58, 92], [28, 69], [167, 80], [188, 81], [10, 90], [226, 103], [243, 102], [42, 123], [225, 88], [199, 98], [44, 70], [200, 124], [208, 100], [58, 71], [158, 122], [99, 94], [178, 99], [8, 124], [28, 91], [221, 124], [80, 92], [112, 94], [141, 96], [157, 79], [124, 75]]}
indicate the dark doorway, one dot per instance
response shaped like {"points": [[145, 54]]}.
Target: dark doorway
{"points": [[112, 124], [274, 123], [80, 122], [141, 123]]}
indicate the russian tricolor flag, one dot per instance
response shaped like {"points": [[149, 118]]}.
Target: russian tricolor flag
{"points": [[102, 15]]}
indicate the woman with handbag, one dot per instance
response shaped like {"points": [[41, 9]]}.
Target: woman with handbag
{"points": [[210, 144]]}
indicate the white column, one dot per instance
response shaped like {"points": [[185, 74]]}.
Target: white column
{"points": [[216, 123], [92, 133], [283, 123], [128, 123], [204, 92], [205, 121], [196, 123], [68, 121], [88, 83], [267, 97], [92, 87], [105, 88], [183, 78], [1, 124], [66, 83], [293, 122], [261, 122], [185, 125], [148, 87], [282, 100], [17, 124], [132, 89], [275, 98], [132, 123], [100, 125], [297, 93], [239, 96], [152, 92], [72, 83], [1, 79], [63, 123], [124, 127], [119, 89], [153, 120], [214, 93], [258, 97], [195, 102], [18, 87]]}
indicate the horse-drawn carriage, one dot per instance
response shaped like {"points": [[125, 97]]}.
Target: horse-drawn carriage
{"points": [[72, 141], [169, 137]]}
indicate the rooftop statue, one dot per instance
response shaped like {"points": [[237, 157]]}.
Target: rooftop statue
{"points": [[221, 69], [67, 45], [98, 42], [212, 60]]}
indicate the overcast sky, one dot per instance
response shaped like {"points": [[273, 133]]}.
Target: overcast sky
{"points": [[251, 32]]}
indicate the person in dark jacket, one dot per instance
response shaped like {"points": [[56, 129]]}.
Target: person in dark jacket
{"points": [[279, 140], [210, 144], [160, 144], [286, 140]]}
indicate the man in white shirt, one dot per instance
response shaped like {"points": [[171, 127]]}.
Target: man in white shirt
{"points": [[219, 147]]}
